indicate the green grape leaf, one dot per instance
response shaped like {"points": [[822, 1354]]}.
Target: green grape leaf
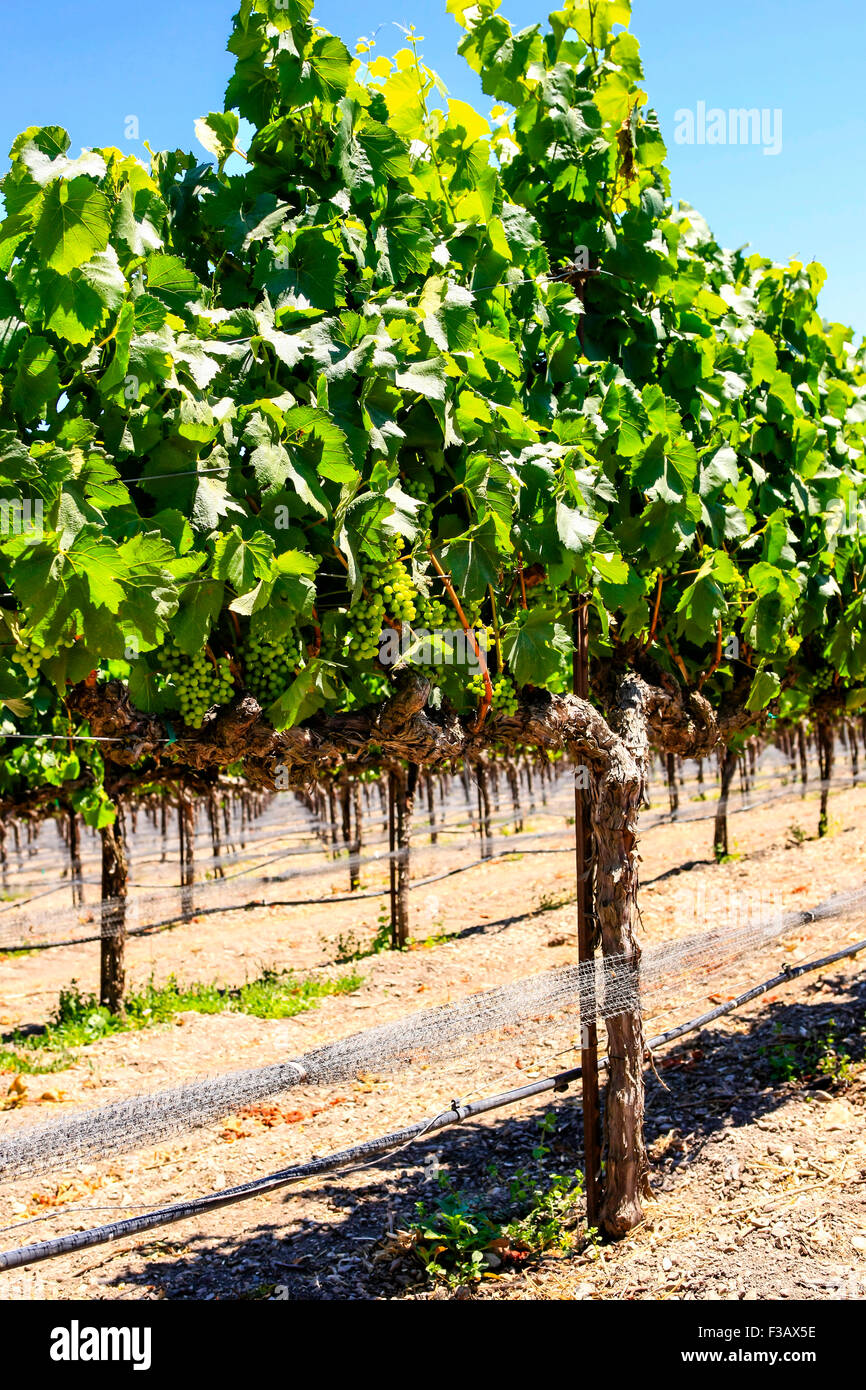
{"points": [[74, 224]]}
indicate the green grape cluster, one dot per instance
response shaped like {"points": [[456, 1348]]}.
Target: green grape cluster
{"points": [[432, 613], [432, 616], [388, 592], [395, 586], [504, 692], [30, 654], [824, 678], [422, 491], [197, 683], [270, 666], [366, 617]]}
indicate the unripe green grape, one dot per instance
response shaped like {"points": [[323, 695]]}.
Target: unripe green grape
{"points": [[270, 666], [197, 683]]}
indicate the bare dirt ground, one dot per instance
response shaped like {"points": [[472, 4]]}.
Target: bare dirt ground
{"points": [[758, 1179]]}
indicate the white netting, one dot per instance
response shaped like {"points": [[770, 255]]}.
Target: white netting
{"points": [[575, 993]]}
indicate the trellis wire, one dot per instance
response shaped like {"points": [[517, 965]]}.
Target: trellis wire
{"points": [[18, 933]]}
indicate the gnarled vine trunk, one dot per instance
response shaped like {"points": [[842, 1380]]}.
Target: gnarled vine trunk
{"points": [[728, 766], [826, 755], [619, 792]]}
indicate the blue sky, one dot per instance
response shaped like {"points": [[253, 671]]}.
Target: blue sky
{"points": [[89, 64]]}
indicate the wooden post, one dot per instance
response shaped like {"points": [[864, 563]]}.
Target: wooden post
{"points": [[826, 752], [357, 840], [586, 943], [392, 862], [115, 875], [431, 809], [804, 757], [346, 826], [728, 765], [514, 783], [75, 859], [483, 809], [216, 838], [673, 790], [332, 816], [186, 836], [405, 786]]}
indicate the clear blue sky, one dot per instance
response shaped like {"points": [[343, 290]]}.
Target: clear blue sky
{"points": [[88, 64]]}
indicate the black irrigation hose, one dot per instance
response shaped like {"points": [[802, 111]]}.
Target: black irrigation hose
{"points": [[361, 1154], [790, 972]]}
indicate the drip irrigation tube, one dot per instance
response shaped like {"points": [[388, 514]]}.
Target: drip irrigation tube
{"points": [[361, 1154]]}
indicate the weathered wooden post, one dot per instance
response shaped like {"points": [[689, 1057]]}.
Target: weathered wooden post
{"points": [[586, 942]]}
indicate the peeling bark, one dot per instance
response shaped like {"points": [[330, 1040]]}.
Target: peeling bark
{"points": [[402, 729], [405, 785], [826, 756], [619, 791], [115, 879]]}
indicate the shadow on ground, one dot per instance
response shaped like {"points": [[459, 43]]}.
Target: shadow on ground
{"points": [[710, 1081]]}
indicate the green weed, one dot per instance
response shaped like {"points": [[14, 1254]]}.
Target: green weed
{"points": [[351, 948], [460, 1240], [80, 1020], [20, 1063], [822, 1056]]}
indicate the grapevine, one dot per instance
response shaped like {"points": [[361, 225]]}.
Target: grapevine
{"points": [[505, 346]]}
